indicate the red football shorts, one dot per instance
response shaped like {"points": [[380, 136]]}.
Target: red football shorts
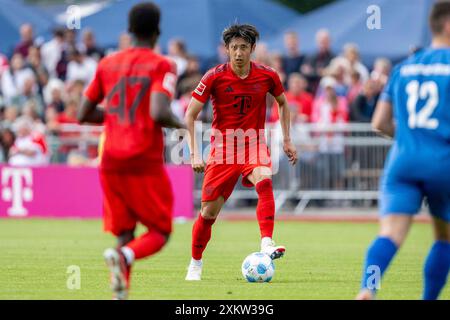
{"points": [[132, 198], [220, 178]]}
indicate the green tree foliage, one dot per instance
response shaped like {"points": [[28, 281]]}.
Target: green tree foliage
{"points": [[304, 6]]}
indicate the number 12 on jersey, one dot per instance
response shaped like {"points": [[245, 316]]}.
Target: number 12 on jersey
{"points": [[429, 91]]}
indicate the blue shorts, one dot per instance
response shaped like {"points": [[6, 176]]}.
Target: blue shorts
{"points": [[404, 196]]}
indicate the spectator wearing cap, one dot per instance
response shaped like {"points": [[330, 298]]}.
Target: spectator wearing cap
{"points": [[328, 107]]}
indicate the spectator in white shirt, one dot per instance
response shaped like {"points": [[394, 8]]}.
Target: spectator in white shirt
{"points": [[51, 51], [177, 52], [29, 148], [351, 53], [80, 67], [14, 78]]}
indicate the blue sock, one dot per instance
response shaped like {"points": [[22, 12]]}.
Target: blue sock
{"points": [[378, 257], [436, 269]]}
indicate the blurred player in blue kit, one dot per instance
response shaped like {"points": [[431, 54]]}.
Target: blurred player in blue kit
{"points": [[414, 109]]}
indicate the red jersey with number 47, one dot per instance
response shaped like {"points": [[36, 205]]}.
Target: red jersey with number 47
{"points": [[238, 103], [133, 141]]}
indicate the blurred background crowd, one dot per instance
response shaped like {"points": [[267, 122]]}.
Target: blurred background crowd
{"points": [[328, 79], [41, 85]]}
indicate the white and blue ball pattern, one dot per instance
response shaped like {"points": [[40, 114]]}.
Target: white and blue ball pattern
{"points": [[258, 267]]}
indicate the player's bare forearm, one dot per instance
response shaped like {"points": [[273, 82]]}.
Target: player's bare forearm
{"points": [[171, 121], [90, 113], [192, 113], [285, 117], [387, 131], [193, 110], [285, 120], [382, 120], [162, 113], [190, 124]]}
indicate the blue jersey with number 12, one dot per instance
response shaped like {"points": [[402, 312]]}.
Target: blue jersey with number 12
{"points": [[418, 165], [419, 91]]}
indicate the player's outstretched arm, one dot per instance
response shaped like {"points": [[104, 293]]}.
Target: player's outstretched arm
{"points": [[285, 120], [90, 113], [193, 110], [382, 120], [162, 113]]}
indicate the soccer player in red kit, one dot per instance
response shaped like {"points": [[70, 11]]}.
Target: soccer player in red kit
{"points": [[136, 85], [238, 93]]}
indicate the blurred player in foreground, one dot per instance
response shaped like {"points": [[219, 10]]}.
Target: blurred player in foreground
{"points": [[137, 85], [417, 96], [238, 92]]}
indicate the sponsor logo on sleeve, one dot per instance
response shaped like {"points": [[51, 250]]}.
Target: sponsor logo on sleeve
{"points": [[169, 82], [200, 88]]}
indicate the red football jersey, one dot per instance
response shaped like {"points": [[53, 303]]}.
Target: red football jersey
{"points": [[133, 141], [238, 103]]}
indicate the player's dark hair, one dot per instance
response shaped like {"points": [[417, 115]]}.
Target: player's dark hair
{"points": [[244, 31], [440, 13], [143, 20]]}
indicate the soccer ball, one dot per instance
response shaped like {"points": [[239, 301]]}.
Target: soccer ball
{"points": [[258, 267]]}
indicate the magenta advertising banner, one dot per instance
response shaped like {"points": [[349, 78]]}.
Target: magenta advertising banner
{"points": [[73, 192]]}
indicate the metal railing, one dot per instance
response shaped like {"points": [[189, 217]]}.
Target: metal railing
{"points": [[336, 162]]}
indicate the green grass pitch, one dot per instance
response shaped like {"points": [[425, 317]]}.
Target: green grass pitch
{"points": [[323, 261]]}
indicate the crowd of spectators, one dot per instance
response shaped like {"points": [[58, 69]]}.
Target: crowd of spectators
{"points": [[41, 86]]}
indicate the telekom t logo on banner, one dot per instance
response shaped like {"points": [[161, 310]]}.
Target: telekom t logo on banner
{"points": [[16, 188]]}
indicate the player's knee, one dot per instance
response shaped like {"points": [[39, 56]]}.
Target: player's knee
{"points": [[210, 210], [264, 186], [208, 213], [441, 230], [443, 235], [397, 238]]}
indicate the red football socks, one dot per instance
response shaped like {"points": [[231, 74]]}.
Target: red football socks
{"points": [[201, 233], [265, 210], [147, 244]]}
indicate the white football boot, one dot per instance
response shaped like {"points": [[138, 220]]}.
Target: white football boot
{"points": [[268, 247], [194, 270], [116, 263]]}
